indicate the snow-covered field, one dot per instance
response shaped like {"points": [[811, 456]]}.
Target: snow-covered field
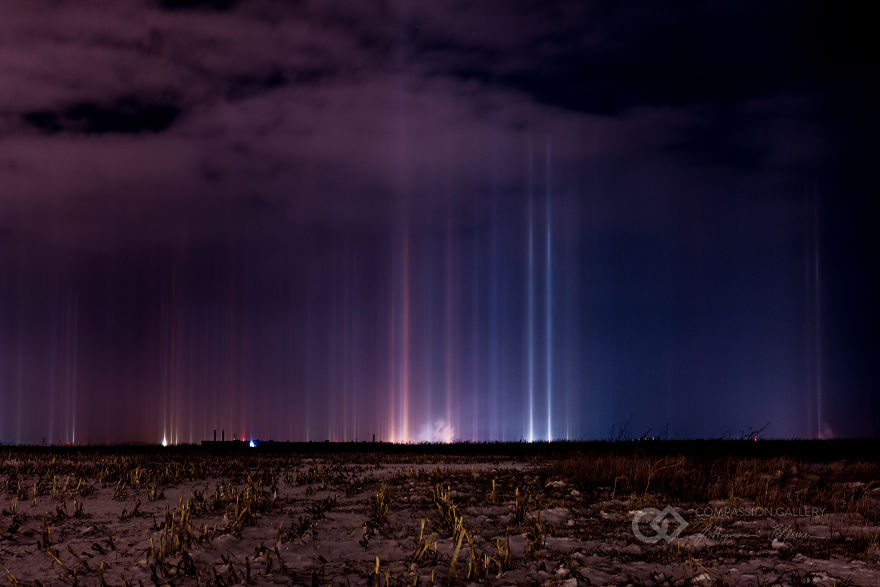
{"points": [[189, 517]]}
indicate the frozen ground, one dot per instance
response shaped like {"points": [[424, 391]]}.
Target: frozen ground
{"points": [[190, 517]]}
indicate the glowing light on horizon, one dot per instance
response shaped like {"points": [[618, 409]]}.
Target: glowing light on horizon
{"points": [[530, 335], [449, 314], [392, 375], [548, 305], [438, 431], [404, 383], [164, 441]]}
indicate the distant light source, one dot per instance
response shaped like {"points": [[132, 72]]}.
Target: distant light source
{"points": [[253, 444], [164, 441]]}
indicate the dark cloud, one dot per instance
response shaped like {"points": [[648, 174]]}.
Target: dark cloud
{"points": [[195, 4], [128, 115], [716, 138], [245, 86], [605, 57]]}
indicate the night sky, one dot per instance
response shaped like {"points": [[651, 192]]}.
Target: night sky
{"points": [[492, 220]]}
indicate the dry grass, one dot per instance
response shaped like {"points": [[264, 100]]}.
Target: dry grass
{"points": [[841, 487]]}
